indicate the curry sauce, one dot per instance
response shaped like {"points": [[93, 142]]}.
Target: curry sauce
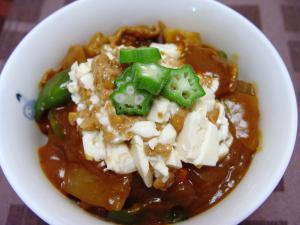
{"points": [[193, 190]]}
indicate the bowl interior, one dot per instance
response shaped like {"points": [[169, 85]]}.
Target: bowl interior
{"points": [[218, 25]]}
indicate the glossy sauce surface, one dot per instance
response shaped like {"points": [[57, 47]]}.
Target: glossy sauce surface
{"points": [[194, 190], [205, 59]]}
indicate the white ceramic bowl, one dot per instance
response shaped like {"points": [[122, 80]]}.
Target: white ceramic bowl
{"points": [[46, 44]]}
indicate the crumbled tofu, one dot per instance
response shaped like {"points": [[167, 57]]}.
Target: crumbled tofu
{"points": [[103, 119], [109, 51], [73, 86], [170, 50], [72, 72], [82, 73], [82, 81], [81, 107], [162, 110], [153, 142], [170, 55], [94, 99], [76, 98], [202, 140], [79, 121], [112, 53], [119, 159], [168, 135], [141, 161], [173, 160], [145, 129], [88, 81], [84, 68], [160, 168], [93, 145]]}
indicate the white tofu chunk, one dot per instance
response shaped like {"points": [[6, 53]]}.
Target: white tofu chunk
{"points": [[222, 150], [168, 50], [168, 135], [208, 151], [93, 145], [73, 87], [207, 102], [74, 67], [103, 119], [84, 68], [76, 98], [94, 99], [109, 52], [153, 142], [162, 110], [88, 81], [214, 85], [119, 159], [222, 123], [160, 168], [81, 107], [173, 160], [223, 131], [80, 74], [199, 140], [145, 129], [140, 159], [225, 146], [191, 136], [79, 121]]}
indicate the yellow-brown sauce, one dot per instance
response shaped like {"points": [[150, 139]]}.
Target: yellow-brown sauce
{"points": [[193, 191]]}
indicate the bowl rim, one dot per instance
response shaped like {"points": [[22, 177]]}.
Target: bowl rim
{"points": [[44, 215]]}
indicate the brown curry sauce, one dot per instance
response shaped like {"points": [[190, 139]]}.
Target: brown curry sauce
{"points": [[193, 191]]}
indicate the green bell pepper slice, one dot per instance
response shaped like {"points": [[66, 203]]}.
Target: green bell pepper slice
{"points": [[222, 54], [53, 95], [54, 124]]}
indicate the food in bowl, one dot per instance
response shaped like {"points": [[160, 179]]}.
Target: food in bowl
{"points": [[146, 126]]}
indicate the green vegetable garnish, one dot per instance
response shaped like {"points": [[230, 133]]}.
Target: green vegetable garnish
{"points": [[151, 77], [222, 54], [53, 95], [126, 77], [124, 217], [175, 215], [56, 128], [142, 54], [146, 78], [183, 87], [131, 101]]}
